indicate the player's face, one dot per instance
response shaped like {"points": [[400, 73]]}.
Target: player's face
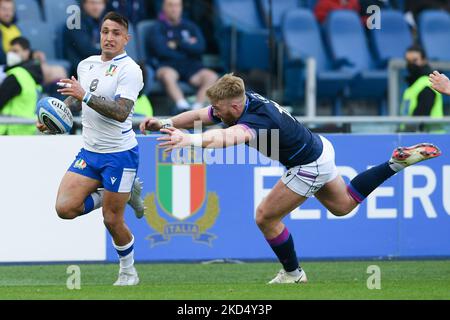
{"points": [[227, 111], [6, 12], [114, 38], [173, 9]]}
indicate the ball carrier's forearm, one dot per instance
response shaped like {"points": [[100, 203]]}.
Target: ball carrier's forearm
{"points": [[73, 104], [118, 110]]}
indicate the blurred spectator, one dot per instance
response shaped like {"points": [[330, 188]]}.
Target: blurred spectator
{"points": [[419, 99], [413, 8], [143, 106], [8, 30], [134, 10], [324, 7], [85, 42], [177, 45], [20, 90]]}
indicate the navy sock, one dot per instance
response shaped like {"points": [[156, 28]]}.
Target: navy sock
{"points": [[283, 246], [88, 205], [364, 183]]}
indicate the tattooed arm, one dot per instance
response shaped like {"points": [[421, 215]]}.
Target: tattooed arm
{"points": [[73, 104], [118, 110]]}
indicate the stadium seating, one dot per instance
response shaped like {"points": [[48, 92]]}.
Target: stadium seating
{"points": [[350, 51], [42, 38], [241, 34], [393, 39], [301, 35], [434, 33], [28, 10], [132, 47], [56, 11], [279, 8], [142, 30]]}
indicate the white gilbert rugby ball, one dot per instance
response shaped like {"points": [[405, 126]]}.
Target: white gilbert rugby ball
{"points": [[55, 115]]}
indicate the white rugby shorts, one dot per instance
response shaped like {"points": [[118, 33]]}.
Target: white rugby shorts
{"points": [[307, 179]]}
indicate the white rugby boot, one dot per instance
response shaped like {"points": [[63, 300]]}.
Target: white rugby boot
{"points": [[136, 202], [284, 277], [127, 278], [403, 157]]}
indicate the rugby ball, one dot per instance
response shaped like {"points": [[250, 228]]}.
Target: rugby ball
{"points": [[56, 116]]}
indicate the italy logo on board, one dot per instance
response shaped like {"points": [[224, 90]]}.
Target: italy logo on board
{"points": [[185, 206]]}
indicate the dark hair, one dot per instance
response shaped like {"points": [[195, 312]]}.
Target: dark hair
{"points": [[116, 17], [417, 48], [22, 42]]}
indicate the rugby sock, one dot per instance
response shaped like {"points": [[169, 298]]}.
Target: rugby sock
{"points": [[126, 254], [283, 246], [364, 183], [93, 202]]}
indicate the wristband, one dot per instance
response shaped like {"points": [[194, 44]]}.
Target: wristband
{"points": [[197, 140], [166, 123], [87, 97]]}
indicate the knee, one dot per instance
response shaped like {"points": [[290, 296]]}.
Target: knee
{"points": [[111, 221], [262, 219], [67, 211], [168, 76], [341, 211]]}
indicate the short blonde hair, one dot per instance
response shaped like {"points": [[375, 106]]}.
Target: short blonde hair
{"points": [[227, 87]]}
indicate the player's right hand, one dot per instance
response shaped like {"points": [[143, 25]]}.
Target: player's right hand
{"points": [[150, 124], [42, 127]]}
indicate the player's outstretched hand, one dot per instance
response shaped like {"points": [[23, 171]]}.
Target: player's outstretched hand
{"points": [[71, 87], [440, 82], [174, 138], [150, 124]]}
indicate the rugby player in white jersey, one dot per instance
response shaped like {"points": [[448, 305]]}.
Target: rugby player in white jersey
{"points": [[104, 172]]}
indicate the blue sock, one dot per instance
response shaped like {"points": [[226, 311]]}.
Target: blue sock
{"points": [[283, 246], [93, 202], [364, 183]]}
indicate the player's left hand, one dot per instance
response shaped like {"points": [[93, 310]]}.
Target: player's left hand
{"points": [[71, 87], [174, 138]]}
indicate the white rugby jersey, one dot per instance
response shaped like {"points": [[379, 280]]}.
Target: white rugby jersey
{"points": [[110, 80]]}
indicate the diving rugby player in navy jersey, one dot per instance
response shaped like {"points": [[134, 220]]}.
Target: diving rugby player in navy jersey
{"points": [[308, 157]]}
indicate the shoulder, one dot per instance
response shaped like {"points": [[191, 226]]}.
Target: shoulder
{"points": [[85, 64], [129, 66]]}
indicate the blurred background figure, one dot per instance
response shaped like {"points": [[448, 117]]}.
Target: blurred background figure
{"points": [[85, 42], [134, 10], [419, 99], [8, 29], [324, 7], [19, 92], [176, 46], [143, 106]]}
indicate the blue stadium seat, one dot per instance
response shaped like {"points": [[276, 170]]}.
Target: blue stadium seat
{"points": [[40, 35], [132, 47], [28, 10], [434, 33], [279, 8], [142, 30], [241, 34], [393, 39], [56, 11], [42, 38], [302, 38], [350, 51]]}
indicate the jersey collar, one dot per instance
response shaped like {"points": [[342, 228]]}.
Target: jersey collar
{"points": [[120, 57]]}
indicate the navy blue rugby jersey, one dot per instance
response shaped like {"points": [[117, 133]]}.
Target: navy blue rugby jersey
{"points": [[297, 144]]}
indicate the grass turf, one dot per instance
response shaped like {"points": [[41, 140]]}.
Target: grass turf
{"points": [[327, 280]]}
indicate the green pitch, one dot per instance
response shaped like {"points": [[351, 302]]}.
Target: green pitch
{"points": [[327, 280]]}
